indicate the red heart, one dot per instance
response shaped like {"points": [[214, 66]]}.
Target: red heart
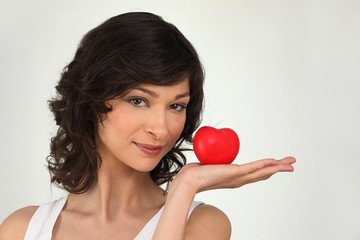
{"points": [[216, 146]]}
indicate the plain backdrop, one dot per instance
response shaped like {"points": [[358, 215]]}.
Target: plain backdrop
{"points": [[284, 74]]}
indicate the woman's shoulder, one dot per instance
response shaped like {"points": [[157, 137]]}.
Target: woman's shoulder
{"points": [[208, 222], [14, 226]]}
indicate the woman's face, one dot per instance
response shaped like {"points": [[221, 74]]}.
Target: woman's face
{"points": [[144, 125]]}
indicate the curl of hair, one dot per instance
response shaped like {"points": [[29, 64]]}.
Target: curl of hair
{"points": [[121, 53]]}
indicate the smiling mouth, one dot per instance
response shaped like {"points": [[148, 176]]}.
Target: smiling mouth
{"points": [[151, 150]]}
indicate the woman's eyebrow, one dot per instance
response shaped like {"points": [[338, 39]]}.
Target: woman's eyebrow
{"points": [[153, 94], [186, 94]]}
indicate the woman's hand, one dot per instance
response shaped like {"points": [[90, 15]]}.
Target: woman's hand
{"points": [[205, 177], [194, 178]]}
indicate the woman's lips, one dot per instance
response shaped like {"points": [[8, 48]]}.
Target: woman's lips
{"points": [[151, 150]]}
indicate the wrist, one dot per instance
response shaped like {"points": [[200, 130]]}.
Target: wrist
{"points": [[182, 188], [173, 219]]}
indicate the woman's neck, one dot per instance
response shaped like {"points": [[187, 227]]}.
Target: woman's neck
{"points": [[119, 189]]}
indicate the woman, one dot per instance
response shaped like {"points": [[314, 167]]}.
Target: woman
{"points": [[127, 101]]}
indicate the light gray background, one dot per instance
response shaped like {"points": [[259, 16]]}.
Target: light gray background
{"points": [[284, 74]]}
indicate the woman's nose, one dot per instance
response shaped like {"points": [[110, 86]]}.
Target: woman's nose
{"points": [[157, 124]]}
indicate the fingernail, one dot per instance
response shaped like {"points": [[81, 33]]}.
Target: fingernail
{"points": [[290, 169], [293, 160]]}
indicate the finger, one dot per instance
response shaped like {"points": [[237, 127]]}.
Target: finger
{"points": [[239, 171], [261, 174], [287, 160], [270, 171], [261, 169], [254, 166], [234, 176]]}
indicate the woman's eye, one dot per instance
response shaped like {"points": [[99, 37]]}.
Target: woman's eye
{"points": [[178, 107], [138, 102]]}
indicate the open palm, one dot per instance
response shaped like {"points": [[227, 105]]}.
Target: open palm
{"points": [[206, 177]]}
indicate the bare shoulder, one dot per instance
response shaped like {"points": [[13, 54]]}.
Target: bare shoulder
{"points": [[14, 226], [208, 222]]}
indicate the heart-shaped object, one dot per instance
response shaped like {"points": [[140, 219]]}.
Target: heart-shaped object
{"points": [[216, 146]]}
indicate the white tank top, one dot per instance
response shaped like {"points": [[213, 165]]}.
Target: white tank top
{"points": [[42, 222]]}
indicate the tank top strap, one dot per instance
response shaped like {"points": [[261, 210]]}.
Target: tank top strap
{"points": [[42, 222], [148, 231]]}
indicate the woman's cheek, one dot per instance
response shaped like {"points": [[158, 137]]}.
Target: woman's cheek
{"points": [[179, 124]]}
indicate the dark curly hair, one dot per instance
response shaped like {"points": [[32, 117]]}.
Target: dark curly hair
{"points": [[113, 58]]}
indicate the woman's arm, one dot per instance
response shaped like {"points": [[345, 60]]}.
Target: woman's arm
{"points": [[208, 222], [194, 178], [14, 226]]}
